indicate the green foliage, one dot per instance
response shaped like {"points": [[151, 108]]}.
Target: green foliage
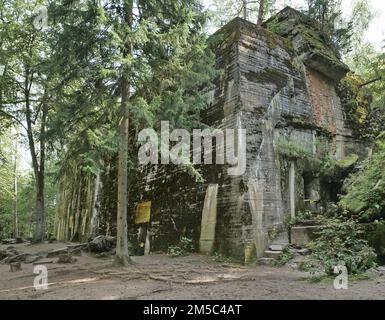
{"points": [[336, 169], [170, 70], [275, 26], [218, 257], [328, 165], [7, 175], [73, 72], [369, 65], [340, 242], [345, 32], [299, 218], [365, 198], [375, 234], [273, 234], [26, 192], [184, 248], [292, 150], [283, 258], [356, 102], [223, 11]]}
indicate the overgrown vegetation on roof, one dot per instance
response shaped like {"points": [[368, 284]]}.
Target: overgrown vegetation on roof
{"points": [[356, 103]]}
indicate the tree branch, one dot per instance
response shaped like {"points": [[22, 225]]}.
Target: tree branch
{"points": [[8, 115], [370, 82]]}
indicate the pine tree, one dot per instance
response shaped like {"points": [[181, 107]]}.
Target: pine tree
{"points": [[158, 69]]}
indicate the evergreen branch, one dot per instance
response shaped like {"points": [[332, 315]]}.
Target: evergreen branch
{"points": [[9, 116]]}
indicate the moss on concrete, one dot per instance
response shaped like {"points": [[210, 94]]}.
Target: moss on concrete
{"points": [[348, 161], [317, 47]]}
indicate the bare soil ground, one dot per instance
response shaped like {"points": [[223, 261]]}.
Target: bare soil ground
{"points": [[162, 277]]}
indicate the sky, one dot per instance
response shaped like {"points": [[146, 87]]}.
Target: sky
{"points": [[374, 35], [376, 32]]}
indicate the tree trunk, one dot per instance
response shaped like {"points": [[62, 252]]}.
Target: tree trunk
{"points": [[39, 209], [245, 9], [15, 190], [122, 255], [261, 13], [96, 206], [40, 183], [38, 168]]}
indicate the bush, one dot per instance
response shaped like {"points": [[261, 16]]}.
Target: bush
{"points": [[283, 258], [375, 234], [184, 247], [356, 102], [340, 243], [299, 218]]}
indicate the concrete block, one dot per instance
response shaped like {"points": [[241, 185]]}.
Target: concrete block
{"points": [[272, 254], [265, 261], [276, 247], [301, 236]]}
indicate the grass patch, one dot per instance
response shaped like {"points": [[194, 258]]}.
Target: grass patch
{"points": [[218, 257]]}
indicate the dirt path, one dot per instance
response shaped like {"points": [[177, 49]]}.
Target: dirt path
{"points": [[162, 277]]}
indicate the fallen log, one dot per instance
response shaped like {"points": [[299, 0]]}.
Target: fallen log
{"points": [[17, 258]]}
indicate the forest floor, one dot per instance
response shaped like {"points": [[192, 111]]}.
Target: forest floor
{"points": [[162, 277]]}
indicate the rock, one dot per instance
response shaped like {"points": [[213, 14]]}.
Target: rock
{"points": [[265, 261], [294, 266], [273, 254], [381, 268], [373, 273], [102, 244], [276, 247], [298, 262], [303, 252], [65, 258], [15, 266], [17, 258]]}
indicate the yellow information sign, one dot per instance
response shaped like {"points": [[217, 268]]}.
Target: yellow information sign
{"points": [[143, 212]]}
